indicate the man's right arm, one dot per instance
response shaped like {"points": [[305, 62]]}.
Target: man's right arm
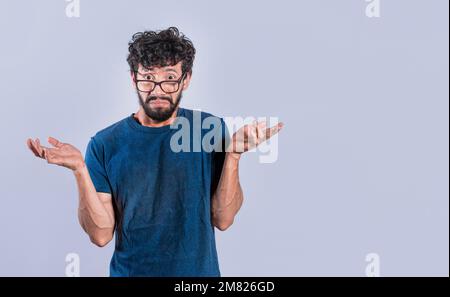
{"points": [[95, 210]]}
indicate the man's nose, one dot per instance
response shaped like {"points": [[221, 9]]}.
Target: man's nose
{"points": [[158, 91]]}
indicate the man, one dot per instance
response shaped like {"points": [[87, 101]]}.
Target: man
{"points": [[162, 204]]}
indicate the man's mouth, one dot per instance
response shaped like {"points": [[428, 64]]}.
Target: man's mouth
{"points": [[159, 102]]}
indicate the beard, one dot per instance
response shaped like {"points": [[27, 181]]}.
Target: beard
{"points": [[159, 114]]}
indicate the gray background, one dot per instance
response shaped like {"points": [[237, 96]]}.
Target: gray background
{"points": [[363, 157]]}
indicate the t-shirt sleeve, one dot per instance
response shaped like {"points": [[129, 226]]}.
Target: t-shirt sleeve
{"points": [[95, 162], [218, 158]]}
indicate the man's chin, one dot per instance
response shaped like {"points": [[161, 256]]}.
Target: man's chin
{"points": [[161, 110], [159, 114]]}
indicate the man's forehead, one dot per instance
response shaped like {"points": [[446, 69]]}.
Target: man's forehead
{"points": [[171, 68]]}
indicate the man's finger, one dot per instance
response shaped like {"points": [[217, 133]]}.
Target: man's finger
{"points": [[37, 148], [42, 149], [55, 142], [273, 130], [253, 133], [260, 128], [31, 146]]}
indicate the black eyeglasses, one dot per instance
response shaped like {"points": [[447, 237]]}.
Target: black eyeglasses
{"points": [[168, 86]]}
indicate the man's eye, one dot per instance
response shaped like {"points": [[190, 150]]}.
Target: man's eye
{"points": [[148, 77], [171, 77]]}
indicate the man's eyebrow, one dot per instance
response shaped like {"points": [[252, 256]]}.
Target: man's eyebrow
{"points": [[147, 70], [171, 70]]}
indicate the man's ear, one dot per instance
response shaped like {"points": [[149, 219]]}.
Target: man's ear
{"points": [[187, 80], [133, 79]]}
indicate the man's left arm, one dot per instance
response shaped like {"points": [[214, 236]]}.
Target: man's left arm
{"points": [[228, 196]]}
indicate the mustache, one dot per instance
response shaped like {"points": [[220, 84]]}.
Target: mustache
{"points": [[150, 98]]}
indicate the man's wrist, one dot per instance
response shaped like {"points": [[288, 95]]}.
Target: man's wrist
{"points": [[233, 156], [80, 168]]}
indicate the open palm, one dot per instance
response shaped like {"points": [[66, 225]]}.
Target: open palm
{"points": [[250, 136], [62, 154]]}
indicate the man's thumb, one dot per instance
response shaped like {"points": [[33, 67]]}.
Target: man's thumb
{"points": [[53, 141]]}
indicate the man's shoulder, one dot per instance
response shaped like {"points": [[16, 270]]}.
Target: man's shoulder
{"points": [[213, 121], [110, 132], [189, 113]]}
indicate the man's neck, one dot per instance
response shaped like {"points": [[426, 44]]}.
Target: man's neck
{"points": [[144, 120]]}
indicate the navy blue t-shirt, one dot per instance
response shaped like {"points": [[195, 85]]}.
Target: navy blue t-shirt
{"points": [[161, 197]]}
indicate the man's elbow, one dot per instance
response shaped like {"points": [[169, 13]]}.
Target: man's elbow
{"points": [[223, 225], [101, 241]]}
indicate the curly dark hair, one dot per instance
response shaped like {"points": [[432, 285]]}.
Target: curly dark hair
{"points": [[160, 48]]}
